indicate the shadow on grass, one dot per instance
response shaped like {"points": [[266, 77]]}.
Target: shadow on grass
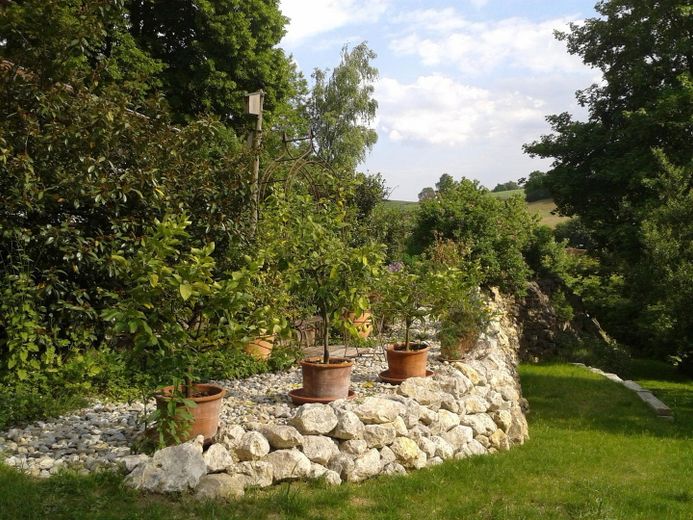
{"points": [[579, 400]]}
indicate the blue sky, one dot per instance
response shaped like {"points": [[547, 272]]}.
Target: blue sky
{"points": [[462, 84]]}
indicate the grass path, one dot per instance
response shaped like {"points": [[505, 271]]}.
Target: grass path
{"points": [[596, 452]]}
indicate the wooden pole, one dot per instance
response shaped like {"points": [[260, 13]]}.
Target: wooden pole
{"points": [[255, 186]]}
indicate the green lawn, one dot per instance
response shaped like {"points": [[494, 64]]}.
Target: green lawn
{"points": [[507, 194], [596, 452]]}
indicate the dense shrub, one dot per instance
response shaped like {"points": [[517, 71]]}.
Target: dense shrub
{"points": [[494, 232]]}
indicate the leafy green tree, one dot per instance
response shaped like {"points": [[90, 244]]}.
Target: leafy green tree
{"points": [[535, 187], [341, 107], [643, 50], [506, 186], [607, 170], [215, 51], [445, 183], [427, 193], [493, 232]]}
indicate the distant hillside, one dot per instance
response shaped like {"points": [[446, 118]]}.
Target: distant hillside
{"points": [[543, 208]]}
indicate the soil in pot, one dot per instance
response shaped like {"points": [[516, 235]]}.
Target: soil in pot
{"points": [[208, 398], [403, 363], [325, 382]]}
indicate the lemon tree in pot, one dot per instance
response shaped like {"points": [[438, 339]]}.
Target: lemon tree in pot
{"points": [[174, 305], [328, 273], [404, 293]]}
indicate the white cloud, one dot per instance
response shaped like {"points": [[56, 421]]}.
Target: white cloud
{"points": [[444, 38], [309, 19], [439, 110]]}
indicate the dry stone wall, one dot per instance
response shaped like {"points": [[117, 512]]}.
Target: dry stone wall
{"points": [[467, 408]]}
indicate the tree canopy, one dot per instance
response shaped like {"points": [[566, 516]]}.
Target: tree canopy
{"points": [[610, 170]]}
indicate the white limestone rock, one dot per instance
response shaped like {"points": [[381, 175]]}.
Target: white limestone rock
{"points": [[258, 473], [375, 410], [349, 426], [289, 464], [315, 419], [281, 436], [217, 458], [220, 486], [458, 436], [319, 449], [252, 446], [379, 435], [365, 466], [171, 470], [481, 423]]}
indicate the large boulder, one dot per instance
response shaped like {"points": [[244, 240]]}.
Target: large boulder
{"points": [[423, 390], [481, 423], [281, 436], [220, 486], [171, 470], [319, 449], [217, 458], [365, 466], [289, 464], [315, 419], [375, 410], [379, 435], [349, 426], [258, 473], [252, 446]]}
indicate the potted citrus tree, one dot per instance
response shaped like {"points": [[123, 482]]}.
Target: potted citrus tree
{"points": [[404, 293], [173, 306], [326, 272]]}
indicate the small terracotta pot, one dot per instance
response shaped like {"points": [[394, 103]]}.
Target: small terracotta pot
{"points": [[326, 381], [260, 348], [363, 323], [205, 414], [403, 364], [458, 350]]}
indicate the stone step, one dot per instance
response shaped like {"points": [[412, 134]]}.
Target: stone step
{"points": [[658, 406]]}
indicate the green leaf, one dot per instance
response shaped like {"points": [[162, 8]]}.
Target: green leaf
{"points": [[185, 291]]}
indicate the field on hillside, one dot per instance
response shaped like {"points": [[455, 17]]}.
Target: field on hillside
{"points": [[543, 208]]}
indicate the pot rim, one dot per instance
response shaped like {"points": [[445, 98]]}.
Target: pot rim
{"points": [[221, 392], [391, 348], [316, 361]]}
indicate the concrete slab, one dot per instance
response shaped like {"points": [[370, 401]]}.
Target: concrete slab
{"points": [[632, 385], [612, 377], [658, 406]]}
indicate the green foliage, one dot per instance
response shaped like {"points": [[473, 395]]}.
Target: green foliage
{"points": [[370, 191], [610, 170], [506, 186], [404, 293], [575, 233], [494, 232], [324, 271], [174, 304], [391, 225], [341, 106], [215, 51], [535, 187]]}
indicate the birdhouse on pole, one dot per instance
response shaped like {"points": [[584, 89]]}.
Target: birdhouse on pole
{"points": [[253, 103]]}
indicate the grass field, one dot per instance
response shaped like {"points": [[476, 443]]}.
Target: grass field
{"points": [[596, 452], [543, 208]]}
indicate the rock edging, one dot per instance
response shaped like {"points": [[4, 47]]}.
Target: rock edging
{"points": [[658, 406], [467, 408]]}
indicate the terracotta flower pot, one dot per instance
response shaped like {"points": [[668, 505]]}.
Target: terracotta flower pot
{"points": [[260, 348], [458, 349], [326, 382], [205, 415], [403, 364]]}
